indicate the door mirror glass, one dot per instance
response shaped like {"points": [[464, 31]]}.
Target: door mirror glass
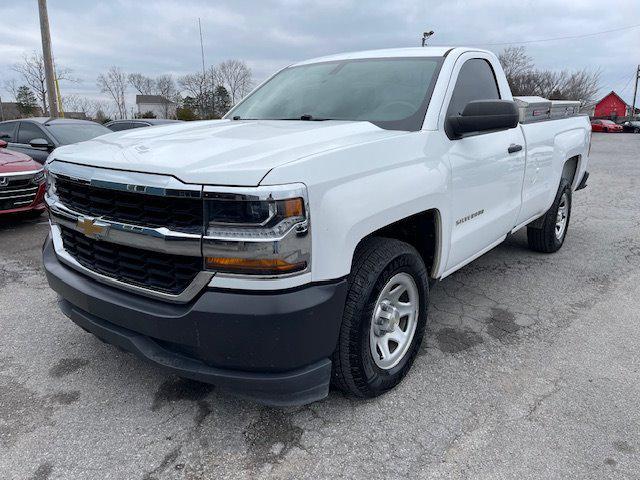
{"points": [[483, 116], [40, 143]]}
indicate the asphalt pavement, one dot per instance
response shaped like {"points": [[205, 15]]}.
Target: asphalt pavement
{"points": [[530, 369]]}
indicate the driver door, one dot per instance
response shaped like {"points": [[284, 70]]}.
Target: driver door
{"points": [[487, 170]]}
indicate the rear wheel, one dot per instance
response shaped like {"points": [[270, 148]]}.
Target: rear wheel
{"points": [[548, 234], [384, 318]]}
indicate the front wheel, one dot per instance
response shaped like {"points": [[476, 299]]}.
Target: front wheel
{"points": [[384, 318], [548, 234]]}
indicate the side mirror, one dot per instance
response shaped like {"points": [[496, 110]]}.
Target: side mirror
{"points": [[3, 144], [482, 116], [40, 144]]}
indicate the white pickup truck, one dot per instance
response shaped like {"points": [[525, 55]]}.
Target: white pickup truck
{"points": [[292, 244]]}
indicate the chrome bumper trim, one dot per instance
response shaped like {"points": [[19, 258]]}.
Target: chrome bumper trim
{"points": [[159, 239], [199, 282]]}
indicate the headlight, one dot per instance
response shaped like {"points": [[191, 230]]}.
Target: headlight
{"points": [[38, 178], [257, 231]]}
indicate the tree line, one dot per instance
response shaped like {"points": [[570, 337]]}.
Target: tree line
{"points": [[208, 94], [525, 79], [201, 95], [212, 92]]}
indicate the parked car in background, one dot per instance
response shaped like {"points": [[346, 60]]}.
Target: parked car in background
{"points": [[21, 183], [37, 137], [633, 126], [605, 126], [117, 125]]}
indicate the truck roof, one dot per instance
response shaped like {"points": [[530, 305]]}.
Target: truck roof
{"points": [[383, 53]]}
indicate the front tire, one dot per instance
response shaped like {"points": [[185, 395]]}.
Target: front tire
{"points": [[547, 235], [384, 317]]}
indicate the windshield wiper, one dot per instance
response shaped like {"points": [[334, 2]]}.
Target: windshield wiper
{"points": [[306, 117]]}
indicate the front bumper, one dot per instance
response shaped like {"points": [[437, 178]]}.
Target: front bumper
{"points": [[273, 348], [37, 205]]}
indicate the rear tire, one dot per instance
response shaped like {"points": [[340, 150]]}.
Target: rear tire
{"points": [[366, 363], [548, 234]]}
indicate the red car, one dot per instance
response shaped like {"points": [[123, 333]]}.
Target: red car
{"points": [[605, 126], [22, 183]]}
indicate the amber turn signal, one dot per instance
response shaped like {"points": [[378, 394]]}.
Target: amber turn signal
{"points": [[292, 207], [255, 266]]}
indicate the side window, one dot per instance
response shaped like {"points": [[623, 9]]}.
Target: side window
{"points": [[138, 125], [476, 81], [8, 131], [28, 131], [116, 127]]}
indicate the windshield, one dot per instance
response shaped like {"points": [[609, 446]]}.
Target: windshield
{"points": [[67, 133], [392, 93]]}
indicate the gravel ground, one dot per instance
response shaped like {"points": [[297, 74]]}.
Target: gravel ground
{"points": [[530, 369]]}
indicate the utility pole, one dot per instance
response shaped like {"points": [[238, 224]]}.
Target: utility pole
{"points": [[201, 45], [48, 58], [635, 91]]}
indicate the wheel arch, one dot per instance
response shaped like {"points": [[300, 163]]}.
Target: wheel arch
{"points": [[423, 231], [570, 168]]}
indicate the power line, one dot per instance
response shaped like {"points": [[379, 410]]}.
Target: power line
{"points": [[627, 84], [567, 37]]}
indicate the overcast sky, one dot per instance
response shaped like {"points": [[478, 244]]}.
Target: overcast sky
{"points": [[161, 36]]}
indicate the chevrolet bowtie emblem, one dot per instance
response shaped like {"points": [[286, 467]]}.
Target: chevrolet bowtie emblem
{"points": [[89, 227]]}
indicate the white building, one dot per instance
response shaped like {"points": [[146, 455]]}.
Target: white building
{"points": [[156, 104]]}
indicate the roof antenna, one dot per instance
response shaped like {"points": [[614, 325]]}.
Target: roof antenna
{"points": [[425, 37]]}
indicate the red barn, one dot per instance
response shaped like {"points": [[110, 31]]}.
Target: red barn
{"points": [[611, 106]]}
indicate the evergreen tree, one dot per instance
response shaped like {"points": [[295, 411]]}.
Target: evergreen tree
{"points": [[26, 101], [222, 101]]}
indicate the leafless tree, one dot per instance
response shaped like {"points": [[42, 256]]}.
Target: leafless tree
{"points": [[144, 85], [235, 76], [31, 69], [515, 62], [197, 86], [11, 86], [86, 105], [165, 86], [76, 103], [114, 83], [525, 79]]}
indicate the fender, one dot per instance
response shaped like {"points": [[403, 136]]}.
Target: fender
{"points": [[357, 190]]}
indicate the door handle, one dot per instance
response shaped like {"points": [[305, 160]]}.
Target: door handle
{"points": [[513, 148]]}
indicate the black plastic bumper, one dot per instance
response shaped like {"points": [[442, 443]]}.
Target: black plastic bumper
{"points": [[271, 347]]}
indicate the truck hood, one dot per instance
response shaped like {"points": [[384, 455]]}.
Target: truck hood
{"points": [[218, 152]]}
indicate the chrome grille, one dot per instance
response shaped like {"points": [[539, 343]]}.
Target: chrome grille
{"points": [[153, 211], [17, 191]]}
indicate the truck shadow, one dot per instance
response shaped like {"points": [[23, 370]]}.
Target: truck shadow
{"points": [[476, 304]]}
